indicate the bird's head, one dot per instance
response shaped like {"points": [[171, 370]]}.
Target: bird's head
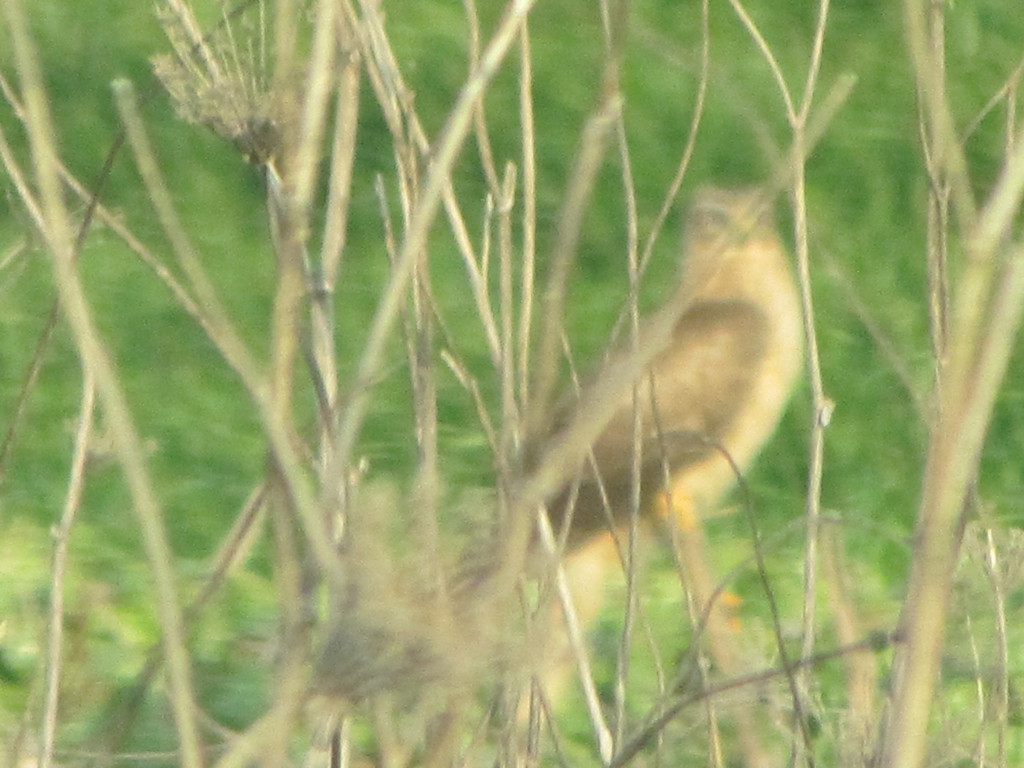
{"points": [[728, 234]]}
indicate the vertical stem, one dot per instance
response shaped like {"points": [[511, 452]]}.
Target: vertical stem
{"points": [[61, 534], [60, 241], [938, 209], [509, 407], [435, 183], [290, 561], [984, 319], [529, 222], [822, 410]]}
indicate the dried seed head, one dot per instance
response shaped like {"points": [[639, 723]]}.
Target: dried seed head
{"points": [[223, 80], [414, 625]]}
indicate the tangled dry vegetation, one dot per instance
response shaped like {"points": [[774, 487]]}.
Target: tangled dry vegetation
{"points": [[410, 616]]}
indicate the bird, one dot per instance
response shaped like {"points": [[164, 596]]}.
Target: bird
{"points": [[715, 392], [711, 396]]}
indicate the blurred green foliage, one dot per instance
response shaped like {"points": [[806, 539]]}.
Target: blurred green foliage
{"points": [[866, 198]]}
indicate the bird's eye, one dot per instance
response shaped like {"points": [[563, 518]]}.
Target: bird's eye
{"points": [[712, 216], [709, 219]]}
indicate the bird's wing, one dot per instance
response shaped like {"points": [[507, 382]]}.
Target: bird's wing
{"points": [[688, 400], [693, 390]]}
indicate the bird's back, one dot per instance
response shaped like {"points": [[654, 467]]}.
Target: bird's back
{"points": [[719, 385]]}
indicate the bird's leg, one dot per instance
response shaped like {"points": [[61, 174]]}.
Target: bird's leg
{"points": [[712, 608], [571, 596], [587, 571]]}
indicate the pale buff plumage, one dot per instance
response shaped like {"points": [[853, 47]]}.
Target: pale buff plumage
{"points": [[719, 385], [709, 400]]}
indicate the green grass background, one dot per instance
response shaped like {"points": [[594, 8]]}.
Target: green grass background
{"points": [[866, 196]]}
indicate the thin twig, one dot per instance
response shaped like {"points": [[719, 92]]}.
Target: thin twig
{"points": [[994, 573], [691, 138], [528, 162], [657, 722], [822, 405], [233, 549], [437, 180], [215, 318], [582, 177], [510, 413], [985, 320], [61, 536], [605, 742], [799, 120], [615, 26], [61, 243]]}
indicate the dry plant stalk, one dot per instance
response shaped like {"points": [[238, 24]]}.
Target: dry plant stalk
{"points": [[986, 303], [58, 232], [798, 115]]}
